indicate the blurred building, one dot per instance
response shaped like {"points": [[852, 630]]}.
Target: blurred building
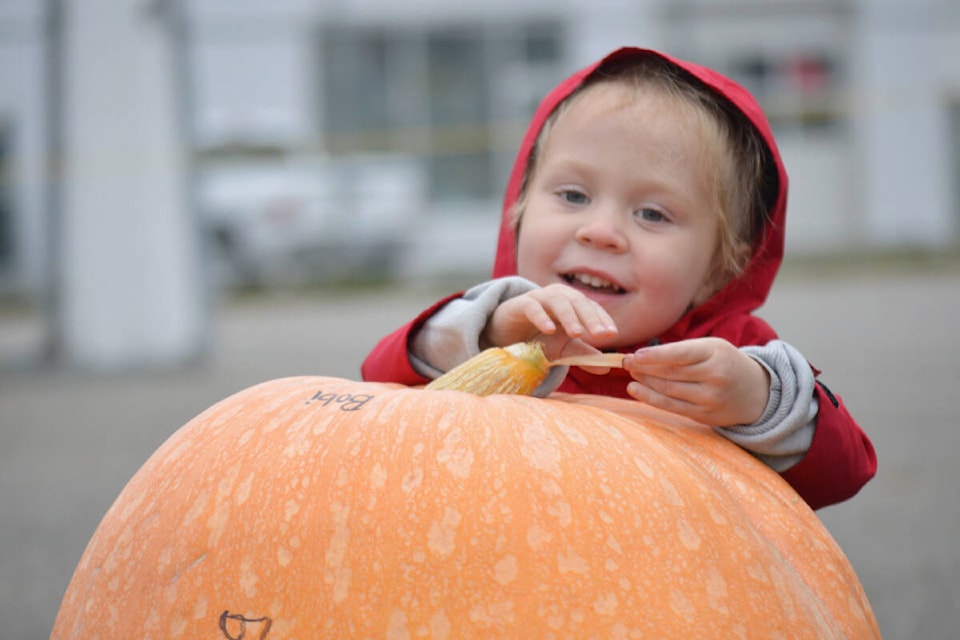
{"points": [[327, 138]]}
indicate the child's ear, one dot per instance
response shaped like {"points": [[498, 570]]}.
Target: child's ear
{"points": [[709, 287], [743, 253]]}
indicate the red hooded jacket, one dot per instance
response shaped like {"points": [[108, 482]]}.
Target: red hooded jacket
{"points": [[841, 458]]}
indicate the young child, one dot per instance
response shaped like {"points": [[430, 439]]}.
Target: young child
{"points": [[645, 214]]}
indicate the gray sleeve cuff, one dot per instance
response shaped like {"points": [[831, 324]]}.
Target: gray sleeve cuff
{"points": [[452, 334], [782, 435]]}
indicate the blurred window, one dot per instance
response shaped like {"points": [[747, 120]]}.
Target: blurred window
{"points": [[792, 56], [442, 95], [458, 86], [355, 90], [954, 111], [6, 212], [798, 89]]}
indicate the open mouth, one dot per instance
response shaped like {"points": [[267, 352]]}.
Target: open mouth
{"points": [[589, 282]]}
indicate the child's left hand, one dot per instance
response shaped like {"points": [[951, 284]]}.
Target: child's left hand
{"points": [[707, 379]]}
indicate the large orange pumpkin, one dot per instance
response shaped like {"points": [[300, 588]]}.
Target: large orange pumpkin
{"points": [[324, 508]]}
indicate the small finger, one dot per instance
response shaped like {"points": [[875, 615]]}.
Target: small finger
{"points": [[566, 315], [540, 319], [674, 354], [662, 371], [650, 396], [600, 323]]}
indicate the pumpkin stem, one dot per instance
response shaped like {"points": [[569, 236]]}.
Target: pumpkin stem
{"points": [[517, 369]]}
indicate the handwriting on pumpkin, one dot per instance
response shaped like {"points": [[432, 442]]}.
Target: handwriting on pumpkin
{"points": [[234, 626], [342, 401]]}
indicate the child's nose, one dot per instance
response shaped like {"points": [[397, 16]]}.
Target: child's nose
{"points": [[602, 231]]}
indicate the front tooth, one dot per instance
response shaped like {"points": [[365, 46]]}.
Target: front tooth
{"points": [[593, 281]]}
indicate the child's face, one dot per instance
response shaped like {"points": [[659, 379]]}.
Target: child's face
{"points": [[620, 207]]}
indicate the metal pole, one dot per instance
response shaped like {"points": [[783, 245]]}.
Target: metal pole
{"points": [[51, 294], [179, 29]]}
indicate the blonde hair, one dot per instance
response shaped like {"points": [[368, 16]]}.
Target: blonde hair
{"points": [[738, 179]]}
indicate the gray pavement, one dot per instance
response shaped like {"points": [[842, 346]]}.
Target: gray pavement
{"points": [[886, 339]]}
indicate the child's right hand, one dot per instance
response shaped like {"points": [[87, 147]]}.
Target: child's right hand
{"points": [[563, 319]]}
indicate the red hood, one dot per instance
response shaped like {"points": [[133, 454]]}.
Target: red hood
{"points": [[742, 295]]}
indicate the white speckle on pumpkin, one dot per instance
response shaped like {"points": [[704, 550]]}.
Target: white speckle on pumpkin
{"points": [[610, 564], [217, 522], [248, 577], [442, 534], [716, 590], [297, 447], [571, 562], [572, 434], [164, 558], [412, 480], [440, 626], [378, 476], [197, 507], [456, 457], [670, 491], [397, 626], [153, 619], [551, 487], [756, 572], [243, 491], [540, 448], [715, 515], [612, 431], [319, 426], [554, 620], [336, 574], [606, 604], [614, 544], [284, 556], [645, 469], [245, 437], [290, 509], [494, 613], [783, 593], [537, 536], [178, 626], [562, 512], [275, 610], [506, 570], [688, 536], [200, 607], [681, 605]]}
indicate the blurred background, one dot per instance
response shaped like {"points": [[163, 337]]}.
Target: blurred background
{"points": [[199, 195]]}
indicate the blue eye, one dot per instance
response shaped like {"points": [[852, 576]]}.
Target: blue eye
{"points": [[650, 215], [571, 196]]}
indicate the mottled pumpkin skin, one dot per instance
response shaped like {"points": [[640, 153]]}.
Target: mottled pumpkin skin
{"points": [[324, 508]]}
